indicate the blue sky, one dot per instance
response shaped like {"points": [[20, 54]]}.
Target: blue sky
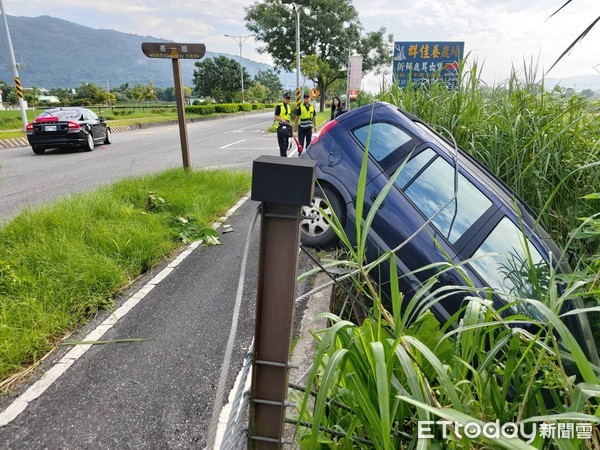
{"points": [[498, 33]]}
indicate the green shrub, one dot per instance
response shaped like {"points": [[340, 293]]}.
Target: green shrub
{"points": [[258, 106], [227, 107], [245, 107], [203, 110]]}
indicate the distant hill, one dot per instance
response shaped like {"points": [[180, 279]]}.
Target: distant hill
{"points": [[577, 83], [58, 53]]}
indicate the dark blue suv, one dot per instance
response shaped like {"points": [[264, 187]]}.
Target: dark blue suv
{"points": [[484, 223]]}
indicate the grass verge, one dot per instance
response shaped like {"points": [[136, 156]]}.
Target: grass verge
{"points": [[60, 264]]}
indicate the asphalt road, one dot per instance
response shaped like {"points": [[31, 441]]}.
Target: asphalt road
{"points": [[27, 179], [157, 391]]}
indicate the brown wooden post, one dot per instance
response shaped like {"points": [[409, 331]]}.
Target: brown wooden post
{"points": [[283, 185], [183, 136], [175, 52]]}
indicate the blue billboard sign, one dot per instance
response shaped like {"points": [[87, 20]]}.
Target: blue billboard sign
{"points": [[423, 61]]}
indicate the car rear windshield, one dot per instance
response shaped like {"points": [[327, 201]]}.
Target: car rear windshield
{"points": [[62, 114]]}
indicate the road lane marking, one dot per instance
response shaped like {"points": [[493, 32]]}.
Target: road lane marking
{"points": [[244, 129], [39, 387], [233, 143]]}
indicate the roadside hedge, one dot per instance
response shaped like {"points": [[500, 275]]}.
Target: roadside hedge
{"points": [[227, 107], [203, 110]]}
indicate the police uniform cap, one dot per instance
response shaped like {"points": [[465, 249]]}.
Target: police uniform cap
{"points": [[287, 95]]}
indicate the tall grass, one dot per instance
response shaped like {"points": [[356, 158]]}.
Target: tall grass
{"points": [[60, 264], [534, 140], [378, 380]]}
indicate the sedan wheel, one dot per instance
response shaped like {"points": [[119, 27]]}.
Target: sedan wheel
{"points": [[89, 143], [314, 225], [38, 150], [108, 138]]}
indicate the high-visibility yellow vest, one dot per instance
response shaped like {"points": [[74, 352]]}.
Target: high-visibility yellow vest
{"points": [[284, 113], [306, 115]]}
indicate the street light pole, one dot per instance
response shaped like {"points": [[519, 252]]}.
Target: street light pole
{"points": [[298, 93], [240, 40], [295, 5], [15, 70]]}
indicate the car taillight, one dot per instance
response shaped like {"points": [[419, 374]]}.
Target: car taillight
{"points": [[328, 126], [73, 126], [29, 127]]}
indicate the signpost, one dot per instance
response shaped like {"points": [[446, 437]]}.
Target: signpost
{"points": [[354, 77], [424, 61], [175, 52]]}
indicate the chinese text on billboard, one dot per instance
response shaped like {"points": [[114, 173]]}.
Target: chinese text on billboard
{"points": [[422, 61]]}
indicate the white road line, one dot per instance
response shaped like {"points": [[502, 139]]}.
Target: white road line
{"points": [[240, 130], [36, 389], [275, 149], [233, 143]]}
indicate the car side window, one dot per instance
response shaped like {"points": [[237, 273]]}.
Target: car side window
{"points": [[507, 261], [433, 187], [383, 140], [413, 166]]}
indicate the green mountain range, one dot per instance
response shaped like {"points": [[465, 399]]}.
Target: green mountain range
{"points": [[53, 52]]}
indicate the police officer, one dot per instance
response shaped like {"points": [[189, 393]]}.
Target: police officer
{"points": [[308, 121], [283, 114]]}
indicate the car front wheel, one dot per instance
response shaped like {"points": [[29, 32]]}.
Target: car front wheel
{"points": [[315, 227], [89, 143]]}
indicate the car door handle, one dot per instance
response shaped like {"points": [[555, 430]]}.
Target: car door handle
{"points": [[373, 197]]}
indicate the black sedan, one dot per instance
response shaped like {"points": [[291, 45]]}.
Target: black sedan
{"points": [[62, 127], [440, 204]]}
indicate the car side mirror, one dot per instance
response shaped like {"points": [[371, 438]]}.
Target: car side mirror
{"points": [[102, 119]]}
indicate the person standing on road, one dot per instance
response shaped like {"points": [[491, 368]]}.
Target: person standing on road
{"points": [[337, 107], [283, 116], [308, 121]]}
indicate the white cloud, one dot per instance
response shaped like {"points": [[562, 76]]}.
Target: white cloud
{"points": [[496, 33]]}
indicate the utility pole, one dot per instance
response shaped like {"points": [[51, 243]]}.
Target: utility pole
{"points": [[240, 40], [298, 93], [15, 70], [295, 4], [348, 81]]}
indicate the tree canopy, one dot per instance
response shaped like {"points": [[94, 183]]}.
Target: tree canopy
{"points": [[270, 80], [329, 31], [220, 78]]}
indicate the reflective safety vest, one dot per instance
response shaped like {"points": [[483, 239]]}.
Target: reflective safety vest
{"points": [[306, 115], [284, 113]]}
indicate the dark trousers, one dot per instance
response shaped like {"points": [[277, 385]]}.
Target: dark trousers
{"points": [[305, 134], [284, 143]]}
